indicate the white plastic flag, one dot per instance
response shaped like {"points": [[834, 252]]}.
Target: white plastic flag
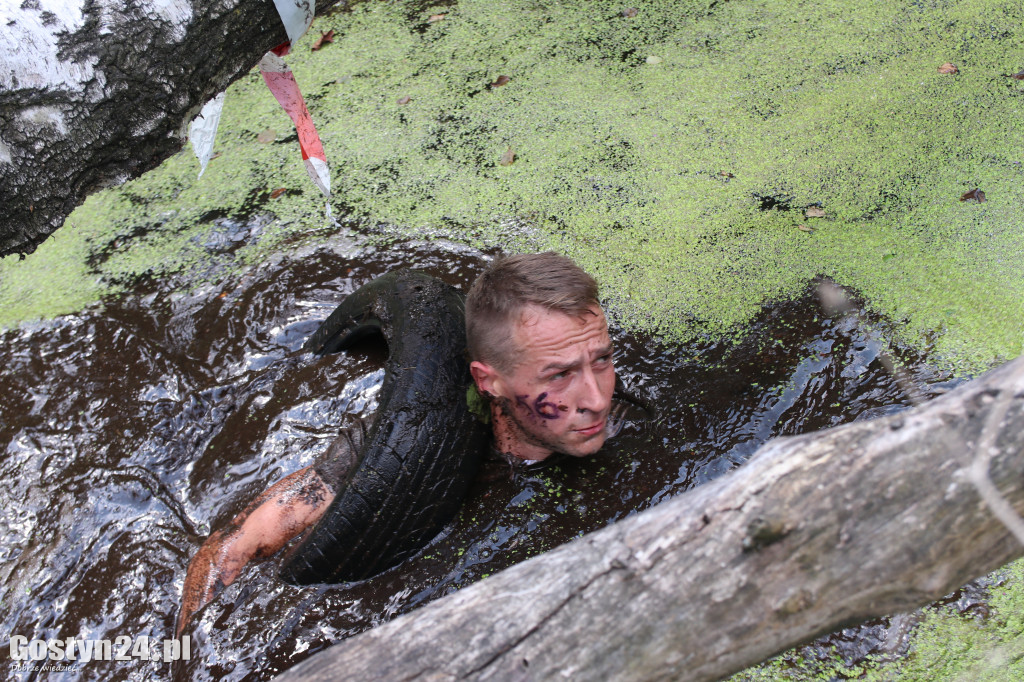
{"points": [[296, 15], [203, 130]]}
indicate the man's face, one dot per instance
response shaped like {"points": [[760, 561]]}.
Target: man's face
{"points": [[558, 394]]}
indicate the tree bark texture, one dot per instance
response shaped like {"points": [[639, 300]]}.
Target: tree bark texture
{"points": [[96, 92], [815, 532]]}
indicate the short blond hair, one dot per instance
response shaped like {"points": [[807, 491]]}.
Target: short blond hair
{"points": [[499, 296]]}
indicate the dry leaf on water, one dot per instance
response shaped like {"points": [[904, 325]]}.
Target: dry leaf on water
{"points": [[434, 18], [277, 192], [948, 68], [726, 174], [814, 212], [629, 12], [805, 228], [973, 195], [508, 157], [499, 81], [266, 136], [404, 100], [325, 37], [1019, 76]]}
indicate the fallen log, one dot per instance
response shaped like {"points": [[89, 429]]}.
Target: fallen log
{"points": [[94, 93], [815, 532]]}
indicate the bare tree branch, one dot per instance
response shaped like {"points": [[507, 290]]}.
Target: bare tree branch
{"points": [[814, 532], [986, 450]]}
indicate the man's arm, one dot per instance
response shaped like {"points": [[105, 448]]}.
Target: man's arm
{"points": [[282, 512]]}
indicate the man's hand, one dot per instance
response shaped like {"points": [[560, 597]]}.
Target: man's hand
{"points": [[281, 513]]}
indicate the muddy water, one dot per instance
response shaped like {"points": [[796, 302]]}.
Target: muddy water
{"points": [[129, 431]]}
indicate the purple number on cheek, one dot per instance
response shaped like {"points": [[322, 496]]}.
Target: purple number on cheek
{"points": [[546, 410], [541, 408]]}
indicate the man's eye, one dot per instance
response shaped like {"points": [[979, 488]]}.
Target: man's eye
{"points": [[604, 359], [560, 375]]}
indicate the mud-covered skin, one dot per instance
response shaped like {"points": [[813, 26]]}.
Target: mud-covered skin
{"points": [[423, 449], [259, 531]]}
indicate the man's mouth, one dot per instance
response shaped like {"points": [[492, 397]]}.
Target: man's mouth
{"points": [[591, 430]]}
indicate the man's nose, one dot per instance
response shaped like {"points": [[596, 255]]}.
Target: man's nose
{"points": [[591, 397]]}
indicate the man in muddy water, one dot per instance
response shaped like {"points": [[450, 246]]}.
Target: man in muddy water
{"points": [[540, 351]]}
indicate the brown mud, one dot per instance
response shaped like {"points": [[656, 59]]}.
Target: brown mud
{"points": [[132, 429]]}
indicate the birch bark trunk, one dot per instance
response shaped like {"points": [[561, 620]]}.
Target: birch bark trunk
{"points": [[96, 92]]}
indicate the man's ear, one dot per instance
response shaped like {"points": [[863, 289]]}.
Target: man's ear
{"points": [[488, 379]]}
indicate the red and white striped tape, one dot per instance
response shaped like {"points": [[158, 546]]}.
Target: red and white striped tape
{"points": [[281, 81], [296, 15]]}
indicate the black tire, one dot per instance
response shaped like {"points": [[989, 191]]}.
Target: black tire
{"points": [[422, 452]]}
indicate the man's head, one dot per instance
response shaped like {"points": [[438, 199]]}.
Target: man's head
{"points": [[539, 346]]}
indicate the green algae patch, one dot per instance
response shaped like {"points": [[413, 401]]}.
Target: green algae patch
{"points": [[673, 153], [950, 646], [56, 280]]}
